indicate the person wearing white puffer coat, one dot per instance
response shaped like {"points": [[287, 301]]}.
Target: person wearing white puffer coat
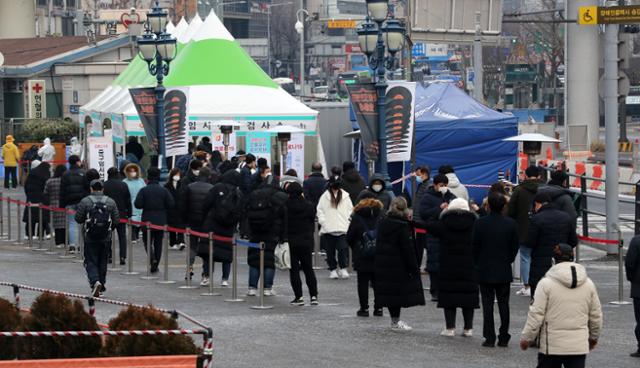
{"points": [[334, 215], [566, 315]]}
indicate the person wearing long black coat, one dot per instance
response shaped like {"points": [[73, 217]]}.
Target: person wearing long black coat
{"points": [[300, 218], [398, 284], [458, 285], [352, 182], [632, 270], [174, 216], [118, 190], [223, 225], [495, 246], [34, 190], [366, 217]]}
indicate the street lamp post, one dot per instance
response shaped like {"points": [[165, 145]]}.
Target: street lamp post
{"points": [[157, 48], [376, 39], [300, 29]]}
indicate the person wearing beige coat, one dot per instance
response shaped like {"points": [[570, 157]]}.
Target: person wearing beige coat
{"points": [[566, 316]]}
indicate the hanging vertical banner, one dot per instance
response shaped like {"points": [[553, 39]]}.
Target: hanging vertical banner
{"points": [[259, 144], [97, 128], [117, 129], [399, 119], [37, 95], [101, 155], [295, 154], [217, 143], [144, 99], [175, 116], [363, 98]]}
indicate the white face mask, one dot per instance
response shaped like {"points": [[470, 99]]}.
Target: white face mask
{"points": [[196, 172], [444, 190], [133, 174], [176, 178], [376, 187]]}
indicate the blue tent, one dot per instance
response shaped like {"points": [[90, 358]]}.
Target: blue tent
{"points": [[453, 128]]}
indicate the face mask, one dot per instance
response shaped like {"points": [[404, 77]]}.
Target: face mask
{"points": [[419, 179], [196, 172], [133, 174], [376, 187], [176, 178], [443, 190]]}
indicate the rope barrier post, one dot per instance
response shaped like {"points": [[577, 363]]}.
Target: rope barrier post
{"points": [[350, 265], [92, 307], [621, 278], [18, 240], [8, 219], [66, 254], [52, 237], [29, 225], [1, 216], [584, 205], [130, 270], [114, 263], [234, 271], [316, 247], [211, 292], [165, 251], [636, 218], [187, 275], [16, 295], [40, 229], [148, 275], [80, 248], [261, 282]]}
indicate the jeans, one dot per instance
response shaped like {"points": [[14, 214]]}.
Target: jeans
{"points": [[122, 239], [254, 276], [95, 261], [332, 244], [366, 280], [226, 269], [636, 312], [525, 264], [450, 318], [10, 173], [558, 361], [156, 239], [489, 293], [301, 261], [73, 226]]}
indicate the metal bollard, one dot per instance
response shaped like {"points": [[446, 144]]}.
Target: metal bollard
{"points": [[621, 276], [114, 260], [316, 248], [165, 251], [40, 229], [52, 239], [148, 276], [211, 292], [234, 271], [261, 282], [18, 221], [9, 219], [187, 275], [130, 251], [66, 254], [29, 225]]}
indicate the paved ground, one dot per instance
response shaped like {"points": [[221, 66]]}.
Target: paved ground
{"points": [[328, 335]]}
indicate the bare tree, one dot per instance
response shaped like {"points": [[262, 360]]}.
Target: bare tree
{"points": [[284, 38]]}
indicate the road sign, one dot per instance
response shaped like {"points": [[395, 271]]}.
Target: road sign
{"points": [[592, 15], [343, 23]]}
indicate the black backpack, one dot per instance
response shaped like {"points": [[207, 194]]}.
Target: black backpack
{"points": [[228, 210], [260, 210], [368, 240], [98, 223]]}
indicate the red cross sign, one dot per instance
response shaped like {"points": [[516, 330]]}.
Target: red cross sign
{"points": [[37, 87]]}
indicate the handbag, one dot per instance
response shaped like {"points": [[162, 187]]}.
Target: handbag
{"points": [[282, 255]]}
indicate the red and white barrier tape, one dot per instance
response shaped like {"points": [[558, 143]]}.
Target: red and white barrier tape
{"points": [[102, 333]]}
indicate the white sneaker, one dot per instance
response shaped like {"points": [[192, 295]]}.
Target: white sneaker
{"points": [[205, 281], [467, 333], [48, 236], [175, 247], [269, 292], [524, 292], [448, 333], [181, 246], [251, 292], [224, 283], [400, 326], [343, 273], [333, 275]]}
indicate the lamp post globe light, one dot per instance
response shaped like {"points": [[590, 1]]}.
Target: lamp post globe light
{"points": [[380, 38], [158, 48]]}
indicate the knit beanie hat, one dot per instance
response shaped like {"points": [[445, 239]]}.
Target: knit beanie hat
{"points": [[459, 204]]}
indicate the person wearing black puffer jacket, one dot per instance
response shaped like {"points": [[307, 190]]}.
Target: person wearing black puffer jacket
{"points": [[365, 218], [34, 189], [300, 217], [561, 197], [352, 182], [193, 211], [73, 187], [117, 190], [224, 202]]}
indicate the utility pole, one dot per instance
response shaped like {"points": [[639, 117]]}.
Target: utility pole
{"points": [[611, 125], [478, 78]]}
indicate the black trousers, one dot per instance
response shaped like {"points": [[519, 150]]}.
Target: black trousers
{"points": [[176, 238], [301, 261], [156, 242], [10, 173], [60, 236], [122, 239], [421, 246], [333, 244], [95, 260], [450, 318], [636, 312], [394, 312], [366, 280], [559, 361], [433, 284], [489, 293]]}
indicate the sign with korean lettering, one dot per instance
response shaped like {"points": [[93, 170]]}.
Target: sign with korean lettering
{"points": [[592, 15], [363, 98], [204, 125], [37, 99], [144, 99], [295, 154], [259, 144], [341, 23], [101, 155]]}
